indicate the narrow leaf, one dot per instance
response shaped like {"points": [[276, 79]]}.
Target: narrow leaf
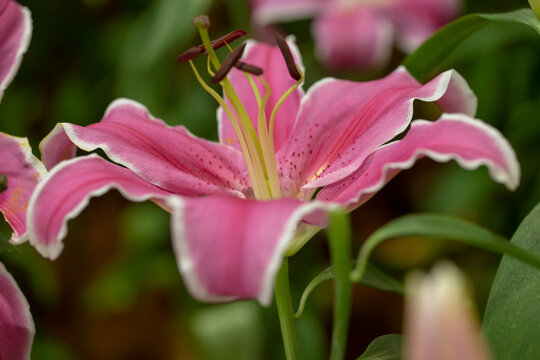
{"points": [[386, 347], [373, 277], [440, 227], [511, 320], [422, 63]]}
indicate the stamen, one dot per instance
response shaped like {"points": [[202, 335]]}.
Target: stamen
{"points": [[247, 155], [228, 63], [252, 69], [195, 51], [3, 183], [189, 54], [261, 190], [287, 55], [227, 39]]}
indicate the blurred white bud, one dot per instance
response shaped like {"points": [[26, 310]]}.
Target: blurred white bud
{"points": [[440, 321]]}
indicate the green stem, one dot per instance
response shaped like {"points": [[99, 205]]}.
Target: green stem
{"points": [[340, 248], [285, 311]]}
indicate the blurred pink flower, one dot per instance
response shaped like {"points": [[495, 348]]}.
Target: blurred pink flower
{"points": [[359, 34], [240, 204], [19, 173], [440, 321]]}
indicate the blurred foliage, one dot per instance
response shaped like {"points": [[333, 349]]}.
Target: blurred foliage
{"points": [[115, 292]]}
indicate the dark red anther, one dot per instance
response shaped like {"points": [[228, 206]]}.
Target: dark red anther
{"points": [[229, 62], [189, 54], [227, 39], [195, 51], [3, 183], [201, 21], [287, 55], [252, 69]]}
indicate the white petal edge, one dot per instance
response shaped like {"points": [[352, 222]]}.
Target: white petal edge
{"points": [[86, 146], [510, 180], [25, 42], [186, 268], [53, 251], [27, 313], [36, 165], [443, 84]]}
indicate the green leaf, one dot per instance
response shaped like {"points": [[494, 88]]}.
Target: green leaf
{"points": [[423, 62], [511, 320], [373, 277], [386, 347], [440, 227]]}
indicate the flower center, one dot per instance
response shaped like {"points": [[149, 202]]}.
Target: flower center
{"points": [[257, 146]]}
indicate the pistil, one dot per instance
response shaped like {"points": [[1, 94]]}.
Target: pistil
{"points": [[258, 178], [257, 146]]}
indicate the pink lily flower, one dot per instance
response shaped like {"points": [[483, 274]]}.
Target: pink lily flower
{"points": [[440, 322], [360, 33], [19, 173], [239, 205], [19, 169]]}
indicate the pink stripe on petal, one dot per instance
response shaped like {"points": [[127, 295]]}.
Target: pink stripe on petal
{"points": [[168, 157], [353, 39], [16, 324], [15, 32], [270, 59], [66, 192], [268, 11], [229, 248], [23, 171], [470, 142], [341, 122]]}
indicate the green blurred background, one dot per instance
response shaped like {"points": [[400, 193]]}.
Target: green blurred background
{"points": [[115, 292]]}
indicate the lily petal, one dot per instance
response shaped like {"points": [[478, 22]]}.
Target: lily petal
{"points": [[268, 11], [15, 30], [341, 122], [16, 325], [353, 39], [229, 248], [469, 141], [22, 171], [270, 59], [66, 191], [169, 157]]}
